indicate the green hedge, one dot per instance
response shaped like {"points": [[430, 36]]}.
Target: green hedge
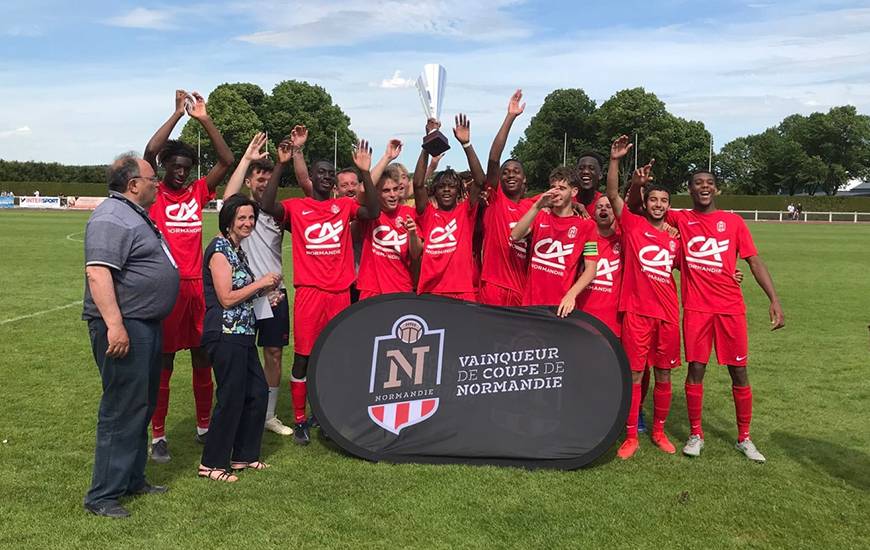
{"points": [[49, 189]]}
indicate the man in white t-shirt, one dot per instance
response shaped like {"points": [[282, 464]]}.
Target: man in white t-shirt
{"points": [[263, 249]]}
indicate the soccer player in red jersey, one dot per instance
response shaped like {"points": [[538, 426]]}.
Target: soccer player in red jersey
{"points": [[559, 238], [390, 242], [713, 308], [322, 257], [178, 213], [503, 274], [648, 299], [447, 265], [601, 297], [589, 169]]}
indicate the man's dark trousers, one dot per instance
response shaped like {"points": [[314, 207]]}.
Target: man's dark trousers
{"points": [[129, 398]]}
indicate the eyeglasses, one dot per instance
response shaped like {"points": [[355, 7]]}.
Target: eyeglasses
{"points": [[152, 179]]}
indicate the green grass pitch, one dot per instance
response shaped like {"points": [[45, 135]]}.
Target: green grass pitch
{"points": [[811, 421]]}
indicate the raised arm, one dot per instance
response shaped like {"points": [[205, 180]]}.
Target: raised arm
{"points": [[462, 132], [765, 281], [225, 157], [252, 153], [618, 150], [362, 158], [524, 226], [158, 140], [298, 137], [493, 165], [394, 149], [421, 194], [268, 203]]}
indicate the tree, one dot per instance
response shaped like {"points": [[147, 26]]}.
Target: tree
{"points": [[293, 103], [540, 149], [736, 167]]}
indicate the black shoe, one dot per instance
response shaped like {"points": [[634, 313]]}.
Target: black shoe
{"points": [[149, 489], [160, 452], [200, 438], [109, 509], [312, 422], [300, 434]]}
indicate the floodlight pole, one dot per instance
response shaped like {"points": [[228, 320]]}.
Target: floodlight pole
{"points": [[710, 155], [198, 163], [635, 150], [565, 150]]}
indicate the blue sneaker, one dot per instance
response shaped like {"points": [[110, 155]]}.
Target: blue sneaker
{"points": [[641, 424]]}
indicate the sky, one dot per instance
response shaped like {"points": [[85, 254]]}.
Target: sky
{"points": [[81, 82]]}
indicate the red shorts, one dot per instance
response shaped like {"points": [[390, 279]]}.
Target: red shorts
{"points": [[701, 330], [183, 328], [650, 341], [494, 295], [312, 310]]}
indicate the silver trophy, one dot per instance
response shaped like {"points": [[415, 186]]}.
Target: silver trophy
{"points": [[431, 84]]}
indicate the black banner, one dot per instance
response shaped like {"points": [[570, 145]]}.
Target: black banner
{"points": [[406, 378]]}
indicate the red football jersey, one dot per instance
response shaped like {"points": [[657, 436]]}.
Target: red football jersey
{"points": [[648, 286], [711, 245], [601, 297], [385, 265], [178, 214], [322, 243], [558, 246], [590, 208], [504, 260], [448, 262]]}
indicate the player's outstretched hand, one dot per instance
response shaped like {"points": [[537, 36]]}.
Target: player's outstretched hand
{"points": [[298, 136], [197, 109], [255, 148], [777, 317], [119, 342], [285, 151], [182, 99], [462, 130], [432, 124], [515, 108], [643, 175], [394, 149], [362, 156], [566, 306], [675, 234], [620, 147], [580, 210]]}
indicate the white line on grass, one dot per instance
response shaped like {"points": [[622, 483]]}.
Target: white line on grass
{"points": [[43, 312], [71, 238]]}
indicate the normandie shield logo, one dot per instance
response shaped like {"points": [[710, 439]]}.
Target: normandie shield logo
{"points": [[406, 374]]}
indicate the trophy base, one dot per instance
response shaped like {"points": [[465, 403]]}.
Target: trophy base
{"points": [[435, 143]]}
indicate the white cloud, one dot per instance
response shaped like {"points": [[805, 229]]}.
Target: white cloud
{"points": [[396, 81], [23, 131], [144, 18], [344, 22]]}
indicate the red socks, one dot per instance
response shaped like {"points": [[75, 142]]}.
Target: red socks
{"points": [[203, 393], [299, 391], [633, 410], [694, 403], [661, 405], [158, 420], [743, 408]]}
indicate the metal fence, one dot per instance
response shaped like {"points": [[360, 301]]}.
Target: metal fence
{"points": [[781, 216]]}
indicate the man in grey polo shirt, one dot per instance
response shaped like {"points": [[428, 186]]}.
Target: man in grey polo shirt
{"points": [[131, 284]]}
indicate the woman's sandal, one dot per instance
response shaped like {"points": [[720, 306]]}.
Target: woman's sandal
{"points": [[255, 465], [217, 474]]}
